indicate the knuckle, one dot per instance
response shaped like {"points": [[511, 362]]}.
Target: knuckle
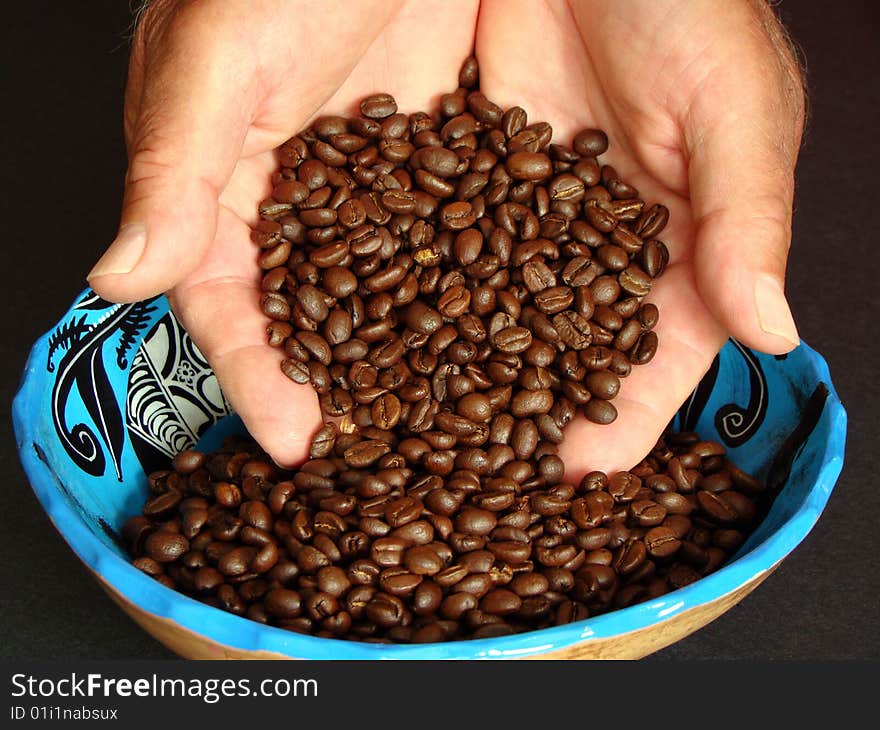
{"points": [[161, 23], [152, 20], [149, 162]]}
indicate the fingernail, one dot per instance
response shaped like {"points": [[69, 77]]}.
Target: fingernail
{"points": [[774, 316], [124, 253]]}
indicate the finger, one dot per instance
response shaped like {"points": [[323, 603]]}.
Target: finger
{"points": [[742, 136], [218, 304], [689, 339], [193, 115]]}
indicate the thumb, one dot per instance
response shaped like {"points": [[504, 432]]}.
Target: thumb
{"points": [[741, 174], [191, 120]]}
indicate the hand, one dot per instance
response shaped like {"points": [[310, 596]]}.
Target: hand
{"points": [[704, 107], [215, 87]]}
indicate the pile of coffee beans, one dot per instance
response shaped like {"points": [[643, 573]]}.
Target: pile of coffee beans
{"points": [[358, 545], [457, 289], [457, 274]]}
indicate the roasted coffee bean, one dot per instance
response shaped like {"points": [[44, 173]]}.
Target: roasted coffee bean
{"points": [[529, 166], [537, 276], [338, 327], [716, 508], [629, 557], [457, 216], [423, 560], [590, 142], [635, 281], [365, 453], [652, 221], [654, 257], [454, 302], [385, 610], [531, 402], [338, 281], [500, 602], [386, 411], [574, 330], [647, 513], [473, 521], [512, 339], [628, 335], [378, 106], [165, 547], [600, 411], [644, 350], [602, 384], [162, 505], [554, 300], [475, 407]]}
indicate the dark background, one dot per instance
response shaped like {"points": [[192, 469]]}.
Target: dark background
{"points": [[63, 68]]}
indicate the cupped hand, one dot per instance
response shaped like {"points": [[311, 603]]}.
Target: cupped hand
{"points": [[214, 87], [704, 107], [702, 102]]}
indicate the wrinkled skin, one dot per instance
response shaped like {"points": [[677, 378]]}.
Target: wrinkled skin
{"points": [[702, 102]]}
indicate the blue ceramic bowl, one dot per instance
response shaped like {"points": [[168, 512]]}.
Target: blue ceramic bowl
{"points": [[113, 391]]}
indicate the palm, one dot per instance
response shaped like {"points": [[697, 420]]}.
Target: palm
{"points": [[224, 288], [576, 74], [551, 75]]}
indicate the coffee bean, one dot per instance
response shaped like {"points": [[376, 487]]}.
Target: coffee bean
{"points": [[468, 245], [472, 521], [457, 216], [338, 282], [500, 602], [647, 513], [654, 257], [635, 281], [537, 276], [365, 453], [628, 335], [402, 511], [574, 330], [165, 547], [590, 142], [674, 503], [398, 582], [454, 302], [554, 300], [338, 327], [529, 165], [644, 350], [630, 557], [475, 407], [423, 560], [378, 106], [600, 411], [602, 384], [652, 221], [385, 610], [531, 402], [512, 339], [714, 507]]}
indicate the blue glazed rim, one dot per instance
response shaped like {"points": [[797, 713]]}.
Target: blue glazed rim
{"points": [[244, 635]]}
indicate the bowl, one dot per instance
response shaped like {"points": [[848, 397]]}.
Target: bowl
{"points": [[114, 390]]}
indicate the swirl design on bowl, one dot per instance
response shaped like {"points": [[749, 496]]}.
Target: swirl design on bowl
{"points": [[83, 368], [172, 396], [735, 423]]}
